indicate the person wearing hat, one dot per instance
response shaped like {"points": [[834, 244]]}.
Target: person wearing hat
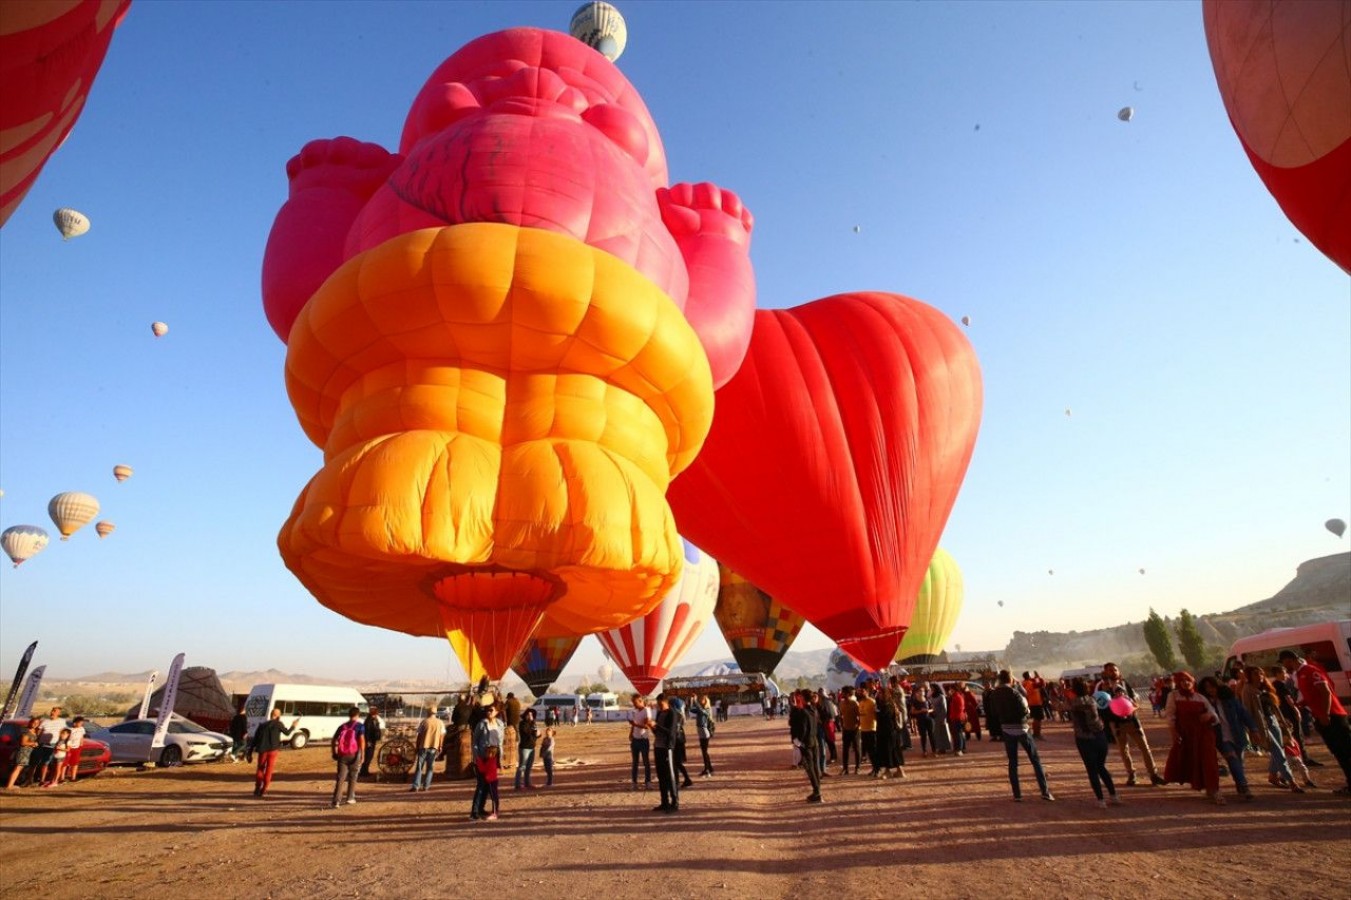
{"points": [[1329, 716]]}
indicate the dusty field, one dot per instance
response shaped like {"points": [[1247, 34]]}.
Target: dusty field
{"points": [[948, 830]]}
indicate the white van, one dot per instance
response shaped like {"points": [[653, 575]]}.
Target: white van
{"points": [[1326, 643], [604, 707], [564, 704], [320, 708]]}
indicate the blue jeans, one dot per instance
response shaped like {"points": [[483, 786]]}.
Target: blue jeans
{"points": [[1276, 762], [1233, 755], [422, 768], [548, 760], [1011, 744], [525, 761], [639, 747]]}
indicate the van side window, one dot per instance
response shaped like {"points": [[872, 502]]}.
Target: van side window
{"points": [[1322, 653]]}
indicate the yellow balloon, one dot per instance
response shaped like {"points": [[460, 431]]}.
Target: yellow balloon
{"points": [[71, 511], [936, 611], [501, 410]]}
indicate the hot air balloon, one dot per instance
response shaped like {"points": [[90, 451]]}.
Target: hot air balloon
{"points": [[648, 647], [936, 610], [600, 27], [122, 473], [444, 311], [1142, 571], [1126, 113], [1001, 602], [542, 660], [23, 542], [605, 672], [867, 405], [758, 628], [1336, 526], [1050, 571], [51, 53], [159, 329], [1281, 70], [966, 320], [71, 223], [857, 229], [71, 511], [104, 529]]}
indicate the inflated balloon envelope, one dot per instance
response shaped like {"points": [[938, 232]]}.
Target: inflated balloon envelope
{"points": [[834, 461], [505, 339]]}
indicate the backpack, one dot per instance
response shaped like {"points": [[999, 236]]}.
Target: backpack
{"points": [[711, 724], [348, 744]]}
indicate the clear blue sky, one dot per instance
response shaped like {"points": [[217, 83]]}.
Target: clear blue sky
{"points": [[1137, 273]]}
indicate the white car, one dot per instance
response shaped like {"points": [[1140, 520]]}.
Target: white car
{"points": [[186, 741]]}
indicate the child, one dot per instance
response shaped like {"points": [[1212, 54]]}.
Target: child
{"points": [[546, 755], [56, 770], [1293, 757], [490, 766]]}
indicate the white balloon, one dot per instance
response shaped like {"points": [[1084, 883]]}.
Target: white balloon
{"points": [[70, 222], [600, 27], [159, 329]]}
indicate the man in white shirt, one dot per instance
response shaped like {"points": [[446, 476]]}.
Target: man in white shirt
{"points": [[640, 744]]}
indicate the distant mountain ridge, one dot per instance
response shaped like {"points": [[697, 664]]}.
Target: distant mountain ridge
{"points": [[1320, 591]]}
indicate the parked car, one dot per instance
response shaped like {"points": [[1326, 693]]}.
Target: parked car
{"points": [[94, 757], [185, 742]]}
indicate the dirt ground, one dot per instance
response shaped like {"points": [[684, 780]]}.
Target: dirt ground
{"points": [[948, 830]]}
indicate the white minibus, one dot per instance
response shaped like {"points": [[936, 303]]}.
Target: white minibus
{"points": [[566, 705], [1326, 643], [320, 708], [605, 707]]}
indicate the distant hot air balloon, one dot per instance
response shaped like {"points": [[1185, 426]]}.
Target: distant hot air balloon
{"points": [[1281, 67], [104, 529], [600, 27], [159, 329], [605, 672], [857, 229], [122, 473], [22, 542], [1142, 571], [1001, 602], [758, 628], [966, 320], [1126, 113], [71, 223], [71, 511], [542, 660], [940, 601], [648, 647], [1050, 571], [1336, 526], [1067, 412]]}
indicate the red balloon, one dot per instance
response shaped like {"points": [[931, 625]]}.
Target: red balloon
{"points": [[835, 457], [49, 55], [1281, 69]]}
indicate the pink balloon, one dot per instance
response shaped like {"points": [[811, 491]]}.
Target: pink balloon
{"points": [[1121, 706]]}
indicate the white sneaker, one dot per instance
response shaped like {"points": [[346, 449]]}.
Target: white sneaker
{"points": [[351, 801]]}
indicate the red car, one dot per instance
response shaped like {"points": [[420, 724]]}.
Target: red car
{"points": [[94, 755]]}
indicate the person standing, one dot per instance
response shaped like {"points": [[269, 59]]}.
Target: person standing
{"points": [[49, 732], [511, 713], [546, 754], [1032, 691], [663, 734], [267, 744], [431, 737], [972, 704], [938, 704], [802, 727], [1090, 737], [527, 735], [487, 746], [375, 730], [74, 748], [867, 723], [957, 718], [704, 726], [678, 743], [1010, 710], [849, 719], [922, 717], [1126, 730], [239, 734], [347, 747], [1329, 716], [1191, 725], [1260, 700], [23, 754], [640, 745]]}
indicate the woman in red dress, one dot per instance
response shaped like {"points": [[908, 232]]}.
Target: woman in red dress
{"points": [[1191, 723]]}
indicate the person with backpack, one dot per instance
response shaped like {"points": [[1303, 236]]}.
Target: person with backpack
{"points": [[348, 745]]}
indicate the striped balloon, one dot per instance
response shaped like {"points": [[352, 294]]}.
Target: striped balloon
{"points": [[22, 542], [72, 511], [122, 473], [104, 529], [648, 647]]}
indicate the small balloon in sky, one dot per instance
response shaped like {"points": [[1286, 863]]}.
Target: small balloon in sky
{"points": [[857, 229], [159, 329], [1050, 571], [1067, 412], [22, 542], [1136, 85], [966, 320], [1336, 526], [71, 223], [122, 473], [1126, 113], [1142, 571], [600, 27], [1001, 602], [104, 529]]}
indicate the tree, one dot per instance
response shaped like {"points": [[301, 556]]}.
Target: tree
{"points": [[1189, 640], [1159, 640]]}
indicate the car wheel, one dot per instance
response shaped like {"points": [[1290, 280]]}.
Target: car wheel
{"points": [[299, 740], [172, 756]]}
